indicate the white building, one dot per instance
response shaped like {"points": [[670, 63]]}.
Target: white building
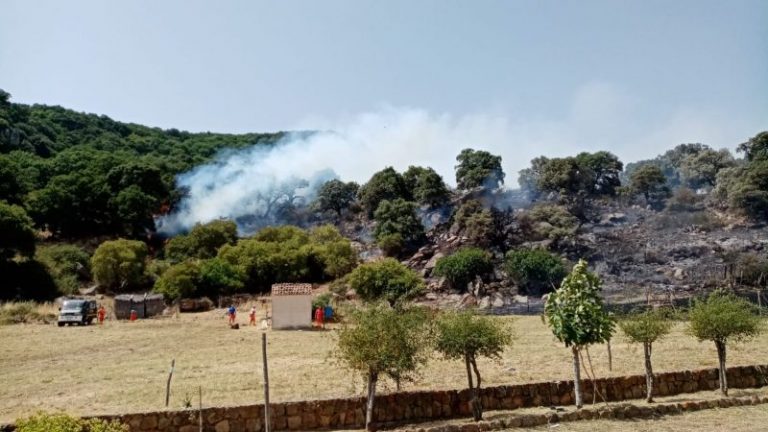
{"points": [[291, 306]]}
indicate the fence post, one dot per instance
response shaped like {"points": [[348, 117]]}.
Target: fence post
{"points": [[168, 384], [266, 381]]}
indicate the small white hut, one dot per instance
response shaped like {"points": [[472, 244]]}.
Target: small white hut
{"points": [[291, 306]]}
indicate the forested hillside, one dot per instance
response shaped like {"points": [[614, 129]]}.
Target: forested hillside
{"points": [[79, 194], [82, 175]]}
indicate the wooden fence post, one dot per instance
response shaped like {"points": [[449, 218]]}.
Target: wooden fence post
{"points": [[168, 384], [266, 381]]}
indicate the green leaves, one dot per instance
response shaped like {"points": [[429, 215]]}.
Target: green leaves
{"points": [[463, 266], [386, 280], [398, 217], [466, 333], [478, 168], [119, 264], [575, 311], [535, 270], [645, 327], [18, 234], [382, 340], [723, 317]]}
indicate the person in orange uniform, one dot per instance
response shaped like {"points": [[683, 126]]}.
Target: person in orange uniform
{"points": [[101, 314], [319, 315], [252, 316]]}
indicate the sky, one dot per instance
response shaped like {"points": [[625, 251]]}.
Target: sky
{"points": [[520, 78]]}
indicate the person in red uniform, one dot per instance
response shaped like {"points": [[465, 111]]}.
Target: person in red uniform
{"points": [[252, 316], [319, 317], [101, 314]]}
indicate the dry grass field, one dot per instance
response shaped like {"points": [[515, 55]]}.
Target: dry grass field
{"points": [[122, 367]]}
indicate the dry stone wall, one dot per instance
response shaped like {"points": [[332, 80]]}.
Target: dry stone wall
{"points": [[406, 407]]}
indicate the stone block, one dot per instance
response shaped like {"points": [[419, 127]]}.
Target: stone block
{"points": [[294, 422], [222, 426]]}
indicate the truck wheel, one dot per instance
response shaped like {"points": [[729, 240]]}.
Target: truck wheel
{"points": [[61, 324], [90, 321]]}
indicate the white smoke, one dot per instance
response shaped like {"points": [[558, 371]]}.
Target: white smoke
{"points": [[600, 117]]}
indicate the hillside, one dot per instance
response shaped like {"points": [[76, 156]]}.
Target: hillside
{"points": [[81, 194]]}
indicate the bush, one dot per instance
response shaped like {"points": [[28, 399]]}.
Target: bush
{"points": [[387, 280], [463, 266], [60, 422], [322, 300], [24, 313], [547, 221], [203, 241], [391, 244], [535, 271], [398, 217]]}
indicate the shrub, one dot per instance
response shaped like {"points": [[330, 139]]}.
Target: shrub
{"points": [[548, 221], [24, 312], [179, 281], [60, 422], [387, 280], [463, 266], [203, 241], [391, 244], [535, 271], [646, 328], [322, 300]]}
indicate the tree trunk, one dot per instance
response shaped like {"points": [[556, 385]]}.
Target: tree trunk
{"points": [[648, 372], [576, 376], [373, 377], [476, 403], [723, 373]]}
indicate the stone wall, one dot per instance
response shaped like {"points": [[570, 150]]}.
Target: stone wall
{"points": [[398, 408]]}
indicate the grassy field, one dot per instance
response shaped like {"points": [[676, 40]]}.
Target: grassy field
{"points": [[123, 367]]}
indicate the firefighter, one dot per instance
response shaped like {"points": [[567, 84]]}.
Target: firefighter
{"points": [[101, 314]]}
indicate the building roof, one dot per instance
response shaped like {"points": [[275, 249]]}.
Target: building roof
{"points": [[291, 289]]}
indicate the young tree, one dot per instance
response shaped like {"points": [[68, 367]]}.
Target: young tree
{"points": [[466, 336], [478, 168], [119, 264], [722, 318], [576, 315], [385, 280], [756, 148], [381, 341], [463, 266], [203, 241], [646, 328]]}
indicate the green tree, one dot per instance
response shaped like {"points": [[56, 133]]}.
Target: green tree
{"points": [[391, 245], [467, 336], [218, 277], [379, 341], [565, 176], [463, 266], [398, 217], [179, 281], [68, 264], [387, 280], [535, 271], [702, 168], [203, 241], [723, 318], [649, 181], [386, 184], [336, 195], [119, 264], [426, 186], [756, 148], [478, 168], [604, 170], [576, 315], [18, 233], [646, 328]]}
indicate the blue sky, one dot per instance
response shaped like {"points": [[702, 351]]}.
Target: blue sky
{"points": [[555, 77]]}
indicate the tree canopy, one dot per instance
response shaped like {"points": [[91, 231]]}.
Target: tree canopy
{"points": [[386, 280], [119, 264], [478, 168], [18, 234]]}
